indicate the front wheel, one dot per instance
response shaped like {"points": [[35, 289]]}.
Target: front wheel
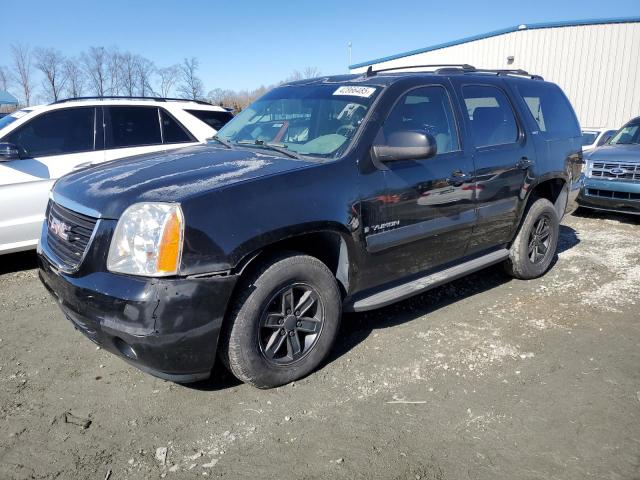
{"points": [[284, 322], [535, 246]]}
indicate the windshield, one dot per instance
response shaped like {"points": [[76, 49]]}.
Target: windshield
{"points": [[589, 137], [4, 121], [315, 120], [629, 134]]}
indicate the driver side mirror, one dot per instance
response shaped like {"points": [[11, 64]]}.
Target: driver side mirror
{"points": [[405, 145], [9, 151]]}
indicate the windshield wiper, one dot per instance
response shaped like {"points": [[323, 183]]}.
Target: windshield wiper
{"points": [[222, 141], [276, 147]]}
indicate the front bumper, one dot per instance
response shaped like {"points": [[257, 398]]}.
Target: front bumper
{"points": [[166, 327], [613, 196]]}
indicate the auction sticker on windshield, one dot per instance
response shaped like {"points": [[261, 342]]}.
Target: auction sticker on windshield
{"points": [[355, 91]]}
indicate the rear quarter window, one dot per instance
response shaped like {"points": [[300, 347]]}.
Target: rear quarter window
{"points": [[214, 119], [550, 109]]}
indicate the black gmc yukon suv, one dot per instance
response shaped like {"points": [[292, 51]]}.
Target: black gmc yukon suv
{"points": [[341, 193]]}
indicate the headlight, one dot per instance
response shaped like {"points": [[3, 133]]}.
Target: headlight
{"points": [[148, 240]]}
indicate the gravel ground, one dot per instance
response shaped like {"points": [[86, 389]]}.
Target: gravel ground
{"points": [[486, 378]]}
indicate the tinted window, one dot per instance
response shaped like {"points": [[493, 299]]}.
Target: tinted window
{"points": [[550, 109], [426, 110], [172, 131], [491, 116], [132, 126], [215, 120], [606, 136], [589, 137], [57, 132]]}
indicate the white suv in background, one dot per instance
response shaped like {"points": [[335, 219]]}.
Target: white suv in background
{"points": [[596, 137], [40, 144]]}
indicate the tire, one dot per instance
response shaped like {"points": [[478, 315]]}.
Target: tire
{"points": [[253, 345], [521, 263]]}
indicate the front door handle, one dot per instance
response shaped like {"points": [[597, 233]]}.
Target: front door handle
{"points": [[457, 178], [524, 163]]}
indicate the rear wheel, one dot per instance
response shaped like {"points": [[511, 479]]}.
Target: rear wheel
{"points": [[535, 246], [284, 322]]}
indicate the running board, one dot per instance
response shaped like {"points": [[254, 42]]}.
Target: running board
{"points": [[422, 284]]}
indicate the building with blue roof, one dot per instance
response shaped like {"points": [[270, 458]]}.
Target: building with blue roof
{"points": [[596, 62]]}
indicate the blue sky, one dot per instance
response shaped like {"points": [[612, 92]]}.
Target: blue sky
{"points": [[244, 44]]}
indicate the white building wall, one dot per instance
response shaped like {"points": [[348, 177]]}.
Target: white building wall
{"points": [[597, 66]]}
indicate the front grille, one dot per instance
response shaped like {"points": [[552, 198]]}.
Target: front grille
{"points": [[615, 171], [594, 192], [68, 235]]}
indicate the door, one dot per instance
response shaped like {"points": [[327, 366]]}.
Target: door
{"points": [[133, 130], [52, 144], [429, 205], [502, 155]]}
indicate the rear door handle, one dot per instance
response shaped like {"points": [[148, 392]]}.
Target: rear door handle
{"points": [[524, 163], [457, 178]]}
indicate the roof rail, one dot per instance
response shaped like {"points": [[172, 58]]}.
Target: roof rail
{"points": [[116, 97], [456, 68], [515, 72], [462, 66]]}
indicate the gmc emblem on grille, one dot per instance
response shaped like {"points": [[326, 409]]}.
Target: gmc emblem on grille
{"points": [[59, 228]]}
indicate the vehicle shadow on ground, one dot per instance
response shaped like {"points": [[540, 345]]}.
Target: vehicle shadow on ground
{"points": [[356, 327], [18, 262]]}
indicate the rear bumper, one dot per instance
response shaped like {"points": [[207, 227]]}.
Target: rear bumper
{"points": [[614, 196], [166, 327]]}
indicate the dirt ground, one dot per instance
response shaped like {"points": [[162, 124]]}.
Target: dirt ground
{"points": [[486, 378]]}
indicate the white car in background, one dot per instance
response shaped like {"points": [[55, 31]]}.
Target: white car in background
{"points": [[40, 144], [596, 137]]}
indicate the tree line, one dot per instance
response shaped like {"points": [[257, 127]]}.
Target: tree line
{"points": [[36, 75]]}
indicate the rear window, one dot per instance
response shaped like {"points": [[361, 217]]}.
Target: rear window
{"points": [[214, 119], [491, 116], [172, 131], [589, 137], [550, 109], [132, 127]]}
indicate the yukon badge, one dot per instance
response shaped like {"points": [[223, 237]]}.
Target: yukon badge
{"points": [[59, 228]]}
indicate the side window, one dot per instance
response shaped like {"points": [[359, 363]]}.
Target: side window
{"points": [[172, 131], [214, 119], [550, 109], [132, 126], [606, 136], [426, 109], [490, 114], [58, 132]]}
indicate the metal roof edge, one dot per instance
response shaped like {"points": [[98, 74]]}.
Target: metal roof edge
{"points": [[495, 33]]}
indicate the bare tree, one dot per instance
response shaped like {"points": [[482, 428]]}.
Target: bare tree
{"points": [[22, 70], [75, 77], [4, 78], [51, 63], [114, 66], [128, 73], [191, 86], [311, 72], [144, 73], [167, 77], [95, 67]]}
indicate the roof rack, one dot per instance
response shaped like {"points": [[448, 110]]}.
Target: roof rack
{"points": [[462, 66], [116, 97], [456, 68]]}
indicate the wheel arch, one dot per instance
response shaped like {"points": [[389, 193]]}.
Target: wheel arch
{"points": [[332, 246]]}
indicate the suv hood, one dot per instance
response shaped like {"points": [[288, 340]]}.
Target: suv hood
{"points": [[110, 188], [616, 153]]}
